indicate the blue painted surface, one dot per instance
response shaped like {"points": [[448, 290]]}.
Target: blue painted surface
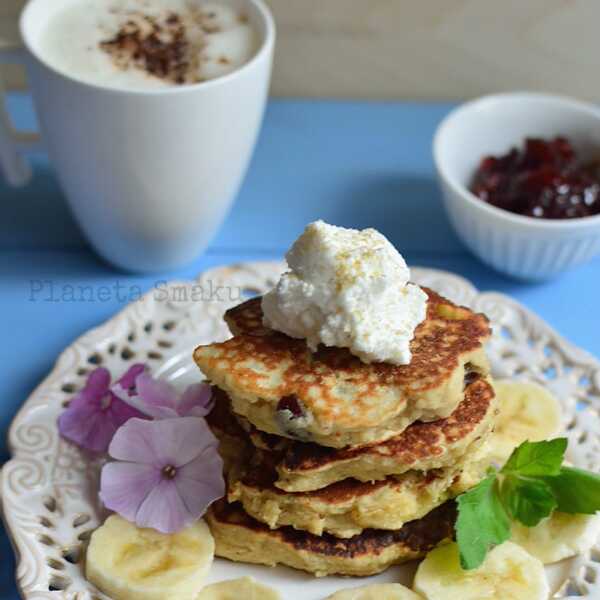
{"points": [[355, 164]]}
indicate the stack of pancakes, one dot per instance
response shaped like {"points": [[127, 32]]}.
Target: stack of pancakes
{"points": [[338, 466]]}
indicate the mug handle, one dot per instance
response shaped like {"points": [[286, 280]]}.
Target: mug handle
{"points": [[13, 143]]}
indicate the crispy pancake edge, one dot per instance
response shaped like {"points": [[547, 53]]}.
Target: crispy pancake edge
{"points": [[306, 466], [241, 538], [346, 508]]}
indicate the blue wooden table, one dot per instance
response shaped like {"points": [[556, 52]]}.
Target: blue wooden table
{"points": [[353, 164]]}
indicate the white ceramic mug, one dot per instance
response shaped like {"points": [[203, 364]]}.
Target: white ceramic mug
{"points": [[150, 175]]}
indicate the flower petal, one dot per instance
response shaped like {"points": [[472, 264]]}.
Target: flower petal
{"points": [[138, 403], [100, 435], [120, 412], [85, 424], [165, 442], [97, 383], [139, 441], [127, 380], [204, 465], [156, 392], [125, 388], [163, 509], [94, 414], [196, 401], [124, 486], [184, 439], [200, 482]]}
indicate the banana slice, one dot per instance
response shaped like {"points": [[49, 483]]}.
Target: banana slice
{"points": [[559, 536], [527, 412], [507, 572], [379, 591], [129, 563], [246, 588]]}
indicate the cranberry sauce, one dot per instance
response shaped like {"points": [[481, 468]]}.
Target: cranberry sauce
{"points": [[544, 180]]}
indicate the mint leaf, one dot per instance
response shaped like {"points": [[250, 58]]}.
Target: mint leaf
{"points": [[539, 459], [527, 500], [529, 488], [482, 522], [576, 491]]}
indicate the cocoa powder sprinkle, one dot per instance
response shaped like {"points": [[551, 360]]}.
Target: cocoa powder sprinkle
{"points": [[158, 47]]}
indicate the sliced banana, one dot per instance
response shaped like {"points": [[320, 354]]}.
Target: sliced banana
{"points": [[559, 536], [507, 572], [527, 412], [244, 588], [129, 563], [378, 591]]}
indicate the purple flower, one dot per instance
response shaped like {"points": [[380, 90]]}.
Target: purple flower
{"points": [[160, 400], [95, 413], [166, 473]]}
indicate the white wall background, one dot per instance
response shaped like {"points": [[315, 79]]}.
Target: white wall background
{"points": [[422, 49]]}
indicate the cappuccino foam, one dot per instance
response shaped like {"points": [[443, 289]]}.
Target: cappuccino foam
{"points": [[144, 44]]}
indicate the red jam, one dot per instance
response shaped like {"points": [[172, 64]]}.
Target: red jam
{"points": [[543, 180]]}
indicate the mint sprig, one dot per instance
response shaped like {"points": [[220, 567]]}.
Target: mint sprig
{"points": [[527, 501], [534, 459], [531, 485], [482, 522], [576, 491]]}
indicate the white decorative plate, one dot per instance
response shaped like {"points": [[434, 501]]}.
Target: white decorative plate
{"points": [[49, 487]]}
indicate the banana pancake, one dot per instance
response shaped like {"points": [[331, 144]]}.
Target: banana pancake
{"points": [[422, 446], [239, 537], [348, 507], [331, 397]]}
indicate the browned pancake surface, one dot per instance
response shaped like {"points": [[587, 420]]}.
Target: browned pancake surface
{"points": [[330, 396], [421, 443], [447, 332], [416, 536], [416, 443], [261, 474]]}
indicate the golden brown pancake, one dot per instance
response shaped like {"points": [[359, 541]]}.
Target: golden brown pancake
{"points": [[422, 446], [348, 507], [331, 397], [239, 537]]}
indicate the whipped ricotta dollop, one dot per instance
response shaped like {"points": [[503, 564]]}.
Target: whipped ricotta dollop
{"points": [[350, 289]]}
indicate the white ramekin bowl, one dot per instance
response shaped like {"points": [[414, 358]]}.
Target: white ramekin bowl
{"points": [[523, 247]]}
